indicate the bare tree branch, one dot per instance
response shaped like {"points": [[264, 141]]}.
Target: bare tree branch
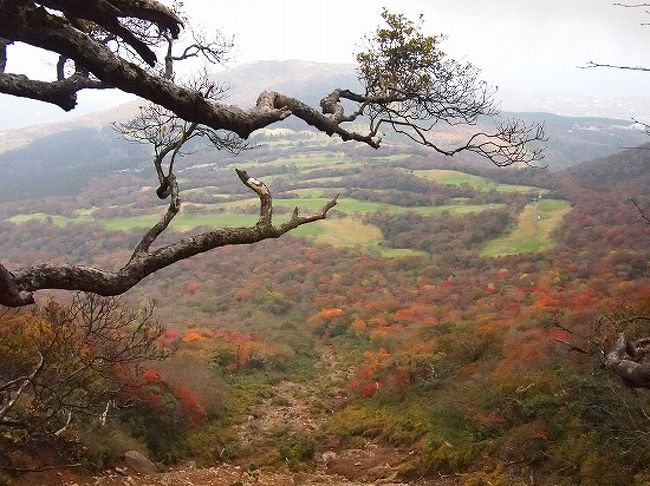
{"points": [[572, 347], [145, 262], [3, 54], [592, 64], [62, 93], [644, 217], [14, 396], [85, 351]]}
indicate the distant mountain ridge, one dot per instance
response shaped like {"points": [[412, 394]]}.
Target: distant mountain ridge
{"points": [[46, 156], [628, 171]]}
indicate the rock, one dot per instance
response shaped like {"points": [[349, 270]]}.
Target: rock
{"points": [[139, 462], [328, 456], [121, 470], [377, 472]]}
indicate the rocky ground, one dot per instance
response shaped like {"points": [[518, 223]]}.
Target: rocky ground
{"points": [[294, 407]]}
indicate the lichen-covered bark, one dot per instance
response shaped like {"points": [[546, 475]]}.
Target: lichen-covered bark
{"points": [[39, 28], [16, 287], [74, 29], [625, 360]]}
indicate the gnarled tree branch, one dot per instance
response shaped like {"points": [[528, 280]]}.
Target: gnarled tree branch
{"points": [[625, 359], [144, 262], [62, 93], [409, 85]]}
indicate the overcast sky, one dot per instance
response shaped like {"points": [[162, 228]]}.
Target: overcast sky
{"points": [[531, 46], [527, 46]]}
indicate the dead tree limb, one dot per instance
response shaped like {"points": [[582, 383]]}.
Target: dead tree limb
{"points": [[625, 360], [408, 83], [644, 217], [144, 261]]}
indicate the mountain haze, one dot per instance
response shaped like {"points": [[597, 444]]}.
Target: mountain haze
{"points": [[54, 158]]}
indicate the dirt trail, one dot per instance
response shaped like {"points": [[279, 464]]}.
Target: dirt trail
{"points": [[297, 406], [294, 407]]}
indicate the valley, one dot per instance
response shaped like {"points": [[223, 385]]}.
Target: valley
{"points": [[306, 181], [444, 325]]}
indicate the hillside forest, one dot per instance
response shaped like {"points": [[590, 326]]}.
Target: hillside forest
{"points": [[449, 322]]}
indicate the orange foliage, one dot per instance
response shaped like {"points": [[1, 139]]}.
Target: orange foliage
{"points": [[546, 302], [244, 353], [330, 313], [192, 337], [358, 326]]}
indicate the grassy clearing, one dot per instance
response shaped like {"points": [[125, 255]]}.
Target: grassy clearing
{"points": [[457, 178], [55, 219], [401, 252], [305, 161], [350, 232], [341, 232], [325, 180], [533, 231], [212, 191], [183, 222], [393, 158], [349, 205], [314, 192], [85, 212]]}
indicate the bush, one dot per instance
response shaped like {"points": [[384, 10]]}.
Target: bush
{"points": [[104, 447]]}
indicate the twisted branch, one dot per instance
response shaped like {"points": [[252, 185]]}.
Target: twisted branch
{"points": [[144, 261], [625, 359]]}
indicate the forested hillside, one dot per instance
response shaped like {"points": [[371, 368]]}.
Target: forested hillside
{"points": [[54, 159], [433, 319], [322, 274]]}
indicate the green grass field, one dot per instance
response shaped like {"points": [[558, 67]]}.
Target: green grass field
{"points": [[56, 220], [535, 225], [350, 205], [531, 234], [313, 192], [183, 222], [305, 161], [334, 180], [457, 178], [350, 232]]}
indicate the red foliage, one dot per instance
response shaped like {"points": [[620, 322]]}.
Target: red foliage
{"points": [[170, 335], [191, 405], [193, 286], [151, 376]]}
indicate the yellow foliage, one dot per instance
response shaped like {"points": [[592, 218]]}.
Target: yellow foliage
{"points": [[358, 326], [192, 337]]}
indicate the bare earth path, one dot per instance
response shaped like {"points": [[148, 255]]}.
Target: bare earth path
{"points": [[299, 407]]}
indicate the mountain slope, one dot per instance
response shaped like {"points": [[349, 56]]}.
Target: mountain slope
{"points": [[60, 158], [627, 171]]}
